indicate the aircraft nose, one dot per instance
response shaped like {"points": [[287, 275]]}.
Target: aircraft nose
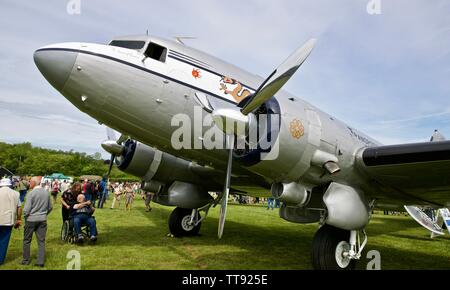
{"points": [[55, 65]]}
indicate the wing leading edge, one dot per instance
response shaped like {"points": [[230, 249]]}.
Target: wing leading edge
{"points": [[419, 170]]}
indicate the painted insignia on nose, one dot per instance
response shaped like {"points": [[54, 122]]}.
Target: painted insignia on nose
{"points": [[296, 128], [196, 73], [236, 90]]}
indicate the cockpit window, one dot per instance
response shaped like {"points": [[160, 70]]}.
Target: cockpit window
{"points": [[130, 44], [156, 51]]}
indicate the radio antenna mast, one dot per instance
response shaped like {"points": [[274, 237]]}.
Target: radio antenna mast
{"points": [[179, 39]]}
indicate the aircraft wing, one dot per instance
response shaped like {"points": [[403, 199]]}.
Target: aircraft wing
{"points": [[419, 171]]}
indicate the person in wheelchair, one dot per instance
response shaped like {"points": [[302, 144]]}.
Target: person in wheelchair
{"points": [[82, 213], [68, 199]]}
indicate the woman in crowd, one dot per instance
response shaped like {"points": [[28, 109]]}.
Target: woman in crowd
{"points": [[55, 190], [47, 186], [129, 196], [69, 198], [117, 195]]}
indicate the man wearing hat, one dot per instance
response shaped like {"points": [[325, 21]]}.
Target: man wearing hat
{"points": [[10, 215]]}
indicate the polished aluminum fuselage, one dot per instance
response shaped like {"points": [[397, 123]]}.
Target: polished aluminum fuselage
{"points": [[140, 96]]}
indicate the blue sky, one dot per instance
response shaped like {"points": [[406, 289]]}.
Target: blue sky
{"points": [[387, 75]]}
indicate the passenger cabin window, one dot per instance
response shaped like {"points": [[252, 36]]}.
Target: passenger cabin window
{"points": [[130, 44], [156, 51]]}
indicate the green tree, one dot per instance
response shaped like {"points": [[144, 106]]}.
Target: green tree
{"points": [[24, 159]]}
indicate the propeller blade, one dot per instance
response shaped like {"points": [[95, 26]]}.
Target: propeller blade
{"points": [[122, 139], [113, 146], [278, 78], [226, 188], [111, 134], [111, 163]]}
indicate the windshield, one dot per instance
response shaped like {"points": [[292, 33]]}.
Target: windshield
{"points": [[130, 44]]}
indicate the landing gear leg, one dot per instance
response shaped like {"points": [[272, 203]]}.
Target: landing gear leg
{"points": [[336, 249]]}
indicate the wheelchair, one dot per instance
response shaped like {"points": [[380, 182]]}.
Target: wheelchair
{"points": [[68, 234]]}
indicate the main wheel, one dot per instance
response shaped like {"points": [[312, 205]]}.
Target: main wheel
{"points": [[179, 223], [329, 246]]}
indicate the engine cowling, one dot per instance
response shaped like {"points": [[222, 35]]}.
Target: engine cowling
{"points": [[335, 204], [346, 207]]}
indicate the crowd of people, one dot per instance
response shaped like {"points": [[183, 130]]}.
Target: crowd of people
{"points": [[35, 200], [269, 201]]}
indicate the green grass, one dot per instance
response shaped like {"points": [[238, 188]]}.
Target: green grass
{"points": [[254, 238]]}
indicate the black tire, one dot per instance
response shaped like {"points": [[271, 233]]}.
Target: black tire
{"points": [[175, 223], [324, 247]]}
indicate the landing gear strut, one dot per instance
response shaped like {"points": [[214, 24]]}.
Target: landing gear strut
{"points": [[186, 222], [336, 249]]}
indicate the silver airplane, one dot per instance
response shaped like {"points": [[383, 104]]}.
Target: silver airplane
{"points": [[322, 170]]}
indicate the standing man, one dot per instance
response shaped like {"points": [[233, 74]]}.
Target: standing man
{"points": [[89, 191], [270, 203], [10, 215], [22, 188], [35, 211], [147, 197], [83, 188], [103, 191]]}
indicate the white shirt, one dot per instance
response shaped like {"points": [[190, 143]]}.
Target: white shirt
{"points": [[9, 202]]}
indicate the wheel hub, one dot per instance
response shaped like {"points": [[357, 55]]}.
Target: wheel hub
{"points": [[186, 223], [342, 254]]}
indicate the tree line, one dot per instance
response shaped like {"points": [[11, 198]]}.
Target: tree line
{"points": [[25, 159]]}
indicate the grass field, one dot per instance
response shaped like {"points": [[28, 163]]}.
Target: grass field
{"points": [[254, 238]]}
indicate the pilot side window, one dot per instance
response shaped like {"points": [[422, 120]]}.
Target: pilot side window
{"points": [[156, 51], [130, 44]]}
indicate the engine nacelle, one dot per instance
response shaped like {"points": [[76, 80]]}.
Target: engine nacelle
{"points": [[152, 186], [137, 158], [151, 164], [291, 193], [184, 195], [346, 207], [338, 205], [175, 181]]}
